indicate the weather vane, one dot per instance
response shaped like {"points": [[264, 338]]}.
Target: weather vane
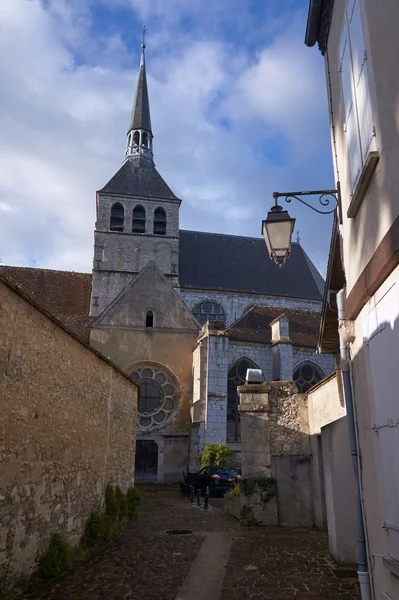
{"points": [[144, 30], [298, 239]]}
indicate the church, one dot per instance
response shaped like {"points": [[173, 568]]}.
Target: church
{"points": [[183, 313]]}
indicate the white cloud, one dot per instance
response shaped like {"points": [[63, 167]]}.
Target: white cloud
{"points": [[214, 111]]}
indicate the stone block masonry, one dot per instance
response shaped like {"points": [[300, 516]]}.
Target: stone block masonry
{"points": [[235, 304], [68, 427]]}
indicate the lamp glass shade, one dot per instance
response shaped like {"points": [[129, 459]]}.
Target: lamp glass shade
{"points": [[277, 230]]}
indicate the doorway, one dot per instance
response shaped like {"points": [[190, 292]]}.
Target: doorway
{"points": [[146, 466]]}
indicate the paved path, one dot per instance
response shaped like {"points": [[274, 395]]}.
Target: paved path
{"points": [[205, 578], [219, 560]]}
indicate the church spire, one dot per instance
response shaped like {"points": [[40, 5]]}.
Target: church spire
{"points": [[139, 135]]}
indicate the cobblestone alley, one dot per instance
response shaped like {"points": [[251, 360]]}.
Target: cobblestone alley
{"points": [[148, 563]]}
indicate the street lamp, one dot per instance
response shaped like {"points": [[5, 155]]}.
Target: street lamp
{"points": [[278, 227], [277, 230]]}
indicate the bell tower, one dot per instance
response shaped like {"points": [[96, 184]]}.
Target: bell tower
{"points": [[137, 212]]}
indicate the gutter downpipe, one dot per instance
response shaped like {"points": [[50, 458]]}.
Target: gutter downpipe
{"points": [[363, 574]]}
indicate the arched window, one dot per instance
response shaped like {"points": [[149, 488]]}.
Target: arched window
{"points": [[136, 137], [236, 377], [149, 319], [160, 221], [306, 375], [209, 311], [138, 219], [117, 217], [144, 139]]}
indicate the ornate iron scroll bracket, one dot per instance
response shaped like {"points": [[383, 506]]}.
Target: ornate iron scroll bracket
{"points": [[325, 199]]}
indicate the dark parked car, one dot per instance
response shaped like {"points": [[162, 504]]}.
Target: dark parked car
{"points": [[218, 479]]}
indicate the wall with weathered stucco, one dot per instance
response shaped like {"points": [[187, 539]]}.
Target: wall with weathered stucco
{"points": [[340, 488], [68, 427], [325, 406]]}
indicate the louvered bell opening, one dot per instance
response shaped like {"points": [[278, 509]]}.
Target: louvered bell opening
{"points": [[138, 220], [117, 218], [160, 222]]}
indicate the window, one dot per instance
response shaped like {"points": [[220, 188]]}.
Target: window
{"points": [[149, 319], [305, 376], [209, 311], [360, 132], [117, 217], [144, 139], [160, 221], [136, 137], [158, 397], [236, 377], [138, 219]]}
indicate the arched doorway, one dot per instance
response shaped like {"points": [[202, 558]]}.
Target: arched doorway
{"points": [[236, 377]]}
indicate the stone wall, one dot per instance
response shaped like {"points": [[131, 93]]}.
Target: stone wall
{"points": [[216, 410], [119, 255], [288, 418], [260, 354], [236, 303], [324, 361], [275, 442], [68, 427]]}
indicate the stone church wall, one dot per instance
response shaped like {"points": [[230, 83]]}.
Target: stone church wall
{"points": [[68, 427], [235, 304], [324, 361], [259, 353]]}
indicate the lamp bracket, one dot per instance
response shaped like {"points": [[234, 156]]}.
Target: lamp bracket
{"points": [[325, 198]]}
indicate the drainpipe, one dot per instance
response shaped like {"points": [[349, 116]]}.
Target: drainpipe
{"points": [[362, 572]]}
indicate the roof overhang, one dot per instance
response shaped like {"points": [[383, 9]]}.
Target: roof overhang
{"points": [[318, 23], [313, 24], [328, 342]]}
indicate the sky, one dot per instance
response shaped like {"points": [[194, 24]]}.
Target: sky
{"points": [[238, 108]]}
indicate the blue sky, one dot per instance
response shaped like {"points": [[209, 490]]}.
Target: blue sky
{"points": [[238, 107]]}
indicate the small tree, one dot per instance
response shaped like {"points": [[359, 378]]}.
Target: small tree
{"points": [[215, 455]]}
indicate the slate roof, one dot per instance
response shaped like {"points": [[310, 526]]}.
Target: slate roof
{"points": [[214, 261], [254, 325], [141, 118], [139, 177]]}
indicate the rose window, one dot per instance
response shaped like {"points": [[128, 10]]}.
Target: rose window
{"points": [[157, 397]]}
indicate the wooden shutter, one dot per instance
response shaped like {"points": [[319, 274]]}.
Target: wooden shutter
{"points": [[361, 79], [351, 124]]}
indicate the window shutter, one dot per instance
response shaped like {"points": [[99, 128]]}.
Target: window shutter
{"points": [[361, 81], [351, 125]]}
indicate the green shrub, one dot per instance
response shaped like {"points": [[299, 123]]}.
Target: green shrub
{"points": [[133, 501], [57, 558], [215, 455], [93, 533], [121, 503], [111, 506], [98, 529]]}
